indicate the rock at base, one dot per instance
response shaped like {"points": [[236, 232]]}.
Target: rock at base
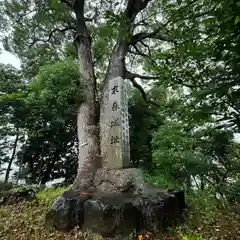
{"points": [[117, 209]]}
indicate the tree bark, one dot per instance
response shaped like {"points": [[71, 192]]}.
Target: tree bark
{"points": [[117, 65], [12, 157], [88, 136], [21, 161], [87, 119]]}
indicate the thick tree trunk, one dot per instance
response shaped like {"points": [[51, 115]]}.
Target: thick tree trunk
{"points": [[88, 134], [45, 176], [12, 157], [116, 66]]}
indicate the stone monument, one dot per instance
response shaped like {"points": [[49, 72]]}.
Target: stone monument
{"points": [[119, 200], [115, 144]]}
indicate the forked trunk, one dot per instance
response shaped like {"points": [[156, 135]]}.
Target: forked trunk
{"points": [[87, 115], [88, 134]]}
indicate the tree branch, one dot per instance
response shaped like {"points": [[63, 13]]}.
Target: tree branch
{"points": [[134, 7], [117, 59], [201, 14], [80, 19], [132, 76], [67, 3], [154, 34], [148, 48], [25, 15], [138, 52], [140, 88], [50, 35]]}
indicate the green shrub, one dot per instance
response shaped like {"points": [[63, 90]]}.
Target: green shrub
{"points": [[49, 195], [159, 181], [5, 186], [233, 193], [208, 218]]}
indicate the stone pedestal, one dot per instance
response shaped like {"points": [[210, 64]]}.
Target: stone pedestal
{"points": [[117, 214]]}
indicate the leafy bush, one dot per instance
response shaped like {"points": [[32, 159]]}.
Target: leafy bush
{"points": [[233, 193], [5, 186], [49, 195], [209, 218], [159, 180]]}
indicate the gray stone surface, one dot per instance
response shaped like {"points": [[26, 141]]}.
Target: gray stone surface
{"points": [[120, 180], [113, 214], [114, 126]]}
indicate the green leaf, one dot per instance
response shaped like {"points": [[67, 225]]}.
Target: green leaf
{"points": [[237, 19], [55, 4]]}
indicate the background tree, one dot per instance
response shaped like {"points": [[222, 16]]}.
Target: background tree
{"points": [[144, 119], [12, 114], [205, 59], [53, 95]]}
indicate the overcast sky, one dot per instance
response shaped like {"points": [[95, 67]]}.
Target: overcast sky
{"points": [[9, 58]]}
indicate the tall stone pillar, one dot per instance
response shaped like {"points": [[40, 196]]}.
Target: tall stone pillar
{"points": [[114, 125]]}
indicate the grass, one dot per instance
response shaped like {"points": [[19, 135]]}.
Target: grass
{"points": [[26, 221]]}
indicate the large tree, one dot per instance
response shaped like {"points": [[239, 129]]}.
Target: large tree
{"points": [[52, 97], [12, 112], [107, 35], [206, 61]]}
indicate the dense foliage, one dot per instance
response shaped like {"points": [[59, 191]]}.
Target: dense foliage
{"points": [[182, 133]]}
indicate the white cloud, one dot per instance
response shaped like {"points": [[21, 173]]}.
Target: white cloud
{"points": [[237, 137], [8, 58]]}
